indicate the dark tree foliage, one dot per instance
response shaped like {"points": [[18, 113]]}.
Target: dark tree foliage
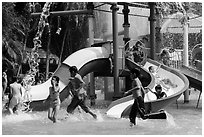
{"points": [[17, 24]]}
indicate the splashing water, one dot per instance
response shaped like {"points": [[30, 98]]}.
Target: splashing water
{"points": [[33, 56], [8, 119], [170, 120]]}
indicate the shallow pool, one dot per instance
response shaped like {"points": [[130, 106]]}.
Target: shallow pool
{"points": [[178, 122]]}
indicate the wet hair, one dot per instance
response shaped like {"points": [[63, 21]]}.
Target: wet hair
{"points": [[158, 87], [135, 71], [73, 69]]}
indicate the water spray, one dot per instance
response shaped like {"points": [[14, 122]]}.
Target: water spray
{"points": [[29, 79]]}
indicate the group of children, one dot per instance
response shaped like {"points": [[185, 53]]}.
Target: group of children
{"points": [[78, 94], [19, 97], [76, 91]]}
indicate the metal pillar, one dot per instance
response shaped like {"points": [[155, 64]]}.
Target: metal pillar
{"points": [[104, 30], [64, 13], [158, 33], [48, 51], [185, 52], [114, 9], [90, 7], [152, 20], [126, 26], [185, 45]]}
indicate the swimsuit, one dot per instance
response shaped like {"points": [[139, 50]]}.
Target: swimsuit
{"points": [[54, 96]]}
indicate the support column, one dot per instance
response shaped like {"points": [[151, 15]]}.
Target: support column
{"points": [[126, 26], [48, 50], [152, 20], [185, 58], [90, 6], [158, 35], [114, 9], [185, 52], [104, 30], [185, 45]]}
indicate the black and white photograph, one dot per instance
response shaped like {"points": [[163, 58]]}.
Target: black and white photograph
{"points": [[101, 68]]}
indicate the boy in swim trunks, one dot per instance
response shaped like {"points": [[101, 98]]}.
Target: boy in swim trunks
{"points": [[16, 90], [138, 95], [78, 92]]}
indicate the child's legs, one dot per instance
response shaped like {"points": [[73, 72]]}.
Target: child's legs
{"points": [[10, 110], [141, 108], [4, 85], [74, 103], [140, 102], [133, 112], [55, 112], [50, 113], [13, 102], [83, 105]]}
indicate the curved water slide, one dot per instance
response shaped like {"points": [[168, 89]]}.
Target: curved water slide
{"points": [[93, 59], [121, 107]]}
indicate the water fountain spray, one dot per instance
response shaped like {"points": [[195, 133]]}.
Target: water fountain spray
{"points": [[33, 56]]}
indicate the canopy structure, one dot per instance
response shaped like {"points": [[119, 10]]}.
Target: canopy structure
{"points": [[173, 25]]}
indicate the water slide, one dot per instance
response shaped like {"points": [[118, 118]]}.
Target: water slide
{"points": [[96, 59], [92, 59], [121, 107], [194, 76]]}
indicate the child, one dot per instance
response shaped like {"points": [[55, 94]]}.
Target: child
{"points": [[159, 92], [4, 83], [78, 92], [157, 77], [153, 71], [16, 91], [54, 99], [138, 95]]}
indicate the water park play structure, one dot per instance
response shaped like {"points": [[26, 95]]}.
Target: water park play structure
{"points": [[97, 60]]}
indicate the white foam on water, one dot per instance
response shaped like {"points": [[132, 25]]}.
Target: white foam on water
{"points": [[19, 118], [83, 116], [99, 116], [170, 120]]}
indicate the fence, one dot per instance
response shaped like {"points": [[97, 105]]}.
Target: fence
{"points": [[176, 59]]}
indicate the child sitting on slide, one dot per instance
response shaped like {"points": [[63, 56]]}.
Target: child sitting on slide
{"points": [[159, 93]]}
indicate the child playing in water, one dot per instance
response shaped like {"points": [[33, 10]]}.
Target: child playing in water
{"points": [[16, 91], [78, 92], [54, 99], [138, 95]]}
